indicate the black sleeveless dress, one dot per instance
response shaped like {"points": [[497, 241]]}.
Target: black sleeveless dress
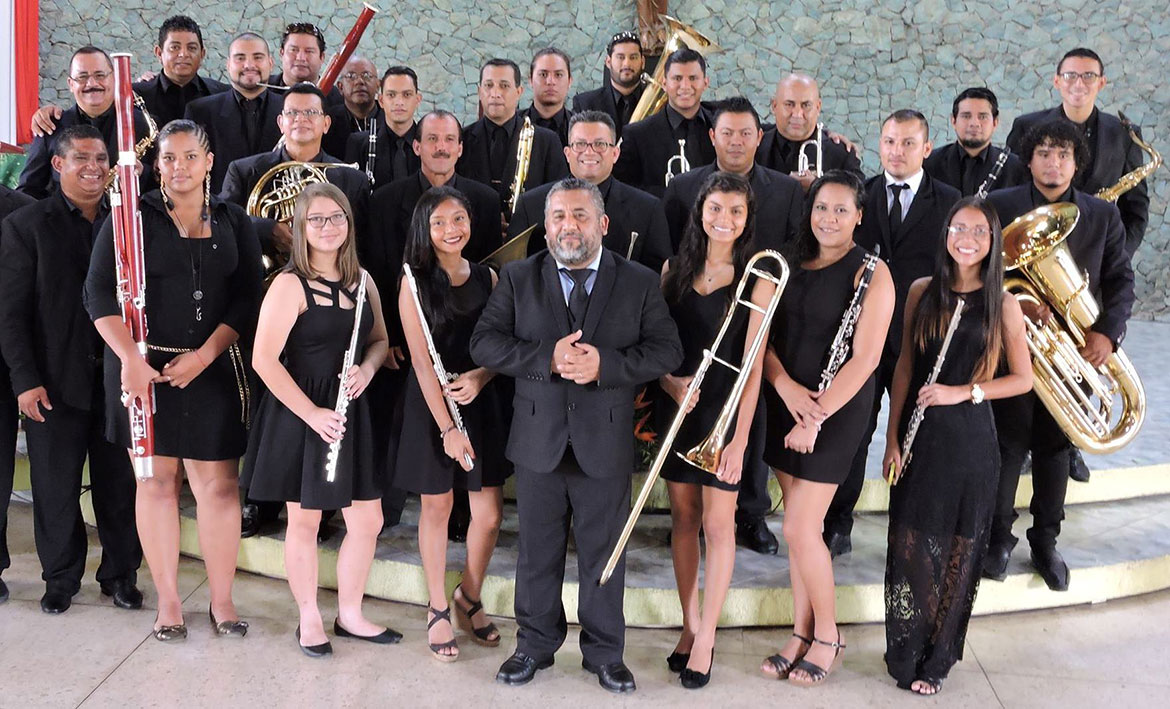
{"points": [[802, 333], [422, 466], [286, 459], [940, 515]]}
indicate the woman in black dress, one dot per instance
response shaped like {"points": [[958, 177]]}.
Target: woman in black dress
{"points": [[305, 327], [452, 292], [204, 274], [699, 285], [813, 433], [941, 506]]}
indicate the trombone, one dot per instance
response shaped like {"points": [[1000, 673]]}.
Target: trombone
{"points": [[706, 455]]}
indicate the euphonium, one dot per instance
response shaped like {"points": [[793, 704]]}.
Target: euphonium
{"points": [[681, 35], [1131, 179], [707, 453], [802, 162], [1079, 396]]}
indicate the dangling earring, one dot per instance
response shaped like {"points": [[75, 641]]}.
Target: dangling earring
{"points": [[167, 202], [206, 196]]}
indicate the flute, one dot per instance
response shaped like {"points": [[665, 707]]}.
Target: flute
{"points": [[342, 404]]}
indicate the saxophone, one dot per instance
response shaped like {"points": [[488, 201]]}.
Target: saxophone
{"points": [[839, 350], [1132, 179], [523, 159]]}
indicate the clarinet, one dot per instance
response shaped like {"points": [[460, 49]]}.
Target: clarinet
{"points": [[373, 153], [839, 350], [342, 404], [920, 411], [992, 176]]}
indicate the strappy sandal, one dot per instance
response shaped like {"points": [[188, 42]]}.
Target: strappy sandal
{"points": [[437, 648], [488, 635], [934, 684], [782, 664], [816, 673]]}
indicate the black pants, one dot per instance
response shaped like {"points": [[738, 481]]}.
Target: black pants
{"points": [[1024, 426], [839, 518], [9, 416], [753, 502], [386, 418], [57, 450], [547, 503]]}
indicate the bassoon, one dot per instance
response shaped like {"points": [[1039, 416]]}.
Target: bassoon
{"points": [[350, 43]]}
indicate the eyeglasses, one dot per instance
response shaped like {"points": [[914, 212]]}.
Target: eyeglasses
{"points": [[318, 222], [98, 76], [599, 146], [963, 230], [354, 76], [1070, 77], [303, 28], [294, 113]]}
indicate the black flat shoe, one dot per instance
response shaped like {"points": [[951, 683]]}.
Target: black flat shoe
{"points": [[55, 602], [1051, 567], [615, 676], [125, 594], [520, 669], [839, 544], [323, 650], [228, 628], [677, 661], [1078, 470], [386, 637], [996, 562], [692, 679], [755, 535], [249, 521]]}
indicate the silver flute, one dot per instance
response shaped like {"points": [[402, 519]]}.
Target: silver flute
{"points": [[342, 404], [441, 373], [843, 340], [992, 176], [919, 410]]}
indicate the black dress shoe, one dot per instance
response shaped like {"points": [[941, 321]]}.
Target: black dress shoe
{"points": [[693, 679], [1077, 469], [389, 636], [125, 593], [249, 521], [996, 562], [677, 661], [322, 650], [615, 676], [56, 602], [755, 535], [1051, 567], [520, 669], [3, 591], [839, 544]]}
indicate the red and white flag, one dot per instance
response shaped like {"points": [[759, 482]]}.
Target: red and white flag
{"points": [[19, 69]]}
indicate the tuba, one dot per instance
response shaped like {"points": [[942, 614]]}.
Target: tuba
{"points": [[681, 35], [1080, 397], [1131, 179]]}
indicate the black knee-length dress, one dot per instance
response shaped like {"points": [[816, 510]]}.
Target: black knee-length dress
{"points": [[802, 333], [940, 515], [205, 420], [422, 466], [286, 458]]}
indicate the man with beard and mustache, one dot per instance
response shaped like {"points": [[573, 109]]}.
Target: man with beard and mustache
{"points": [[580, 330], [550, 77], [625, 62], [360, 111], [240, 122], [968, 162], [394, 155], [91, 81], [302, 52]]}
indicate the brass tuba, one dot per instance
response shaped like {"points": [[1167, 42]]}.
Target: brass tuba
{"points": [[1131, 179], [1080, 397], [681, 35]]}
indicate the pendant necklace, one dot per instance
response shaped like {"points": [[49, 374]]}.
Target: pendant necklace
{"points": [[196, 270]]}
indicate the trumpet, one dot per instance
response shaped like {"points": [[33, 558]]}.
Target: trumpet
{"points": [[707, 453], [677, 164], [802, 161]]}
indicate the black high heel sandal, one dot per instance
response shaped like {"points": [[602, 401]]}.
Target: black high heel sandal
{"points": [[782, 664], [816, 673], [692, 679], [488, 635], [436, 648]]}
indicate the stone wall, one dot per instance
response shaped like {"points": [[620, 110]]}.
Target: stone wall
{"points": [[871, 58]]}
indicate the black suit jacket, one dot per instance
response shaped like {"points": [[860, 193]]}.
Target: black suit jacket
{"points": [[45, 333], [1114, 154], [945, 165], [11, 200], [627, 321], [647, 146], [601, 100], [220, 116], [154, 96], [333, 98], [342, 126], [779, 204], [243, 174], [357, 150], [629, 210], [836, 156], [911, 252], [547, 163], [1097, 245]]}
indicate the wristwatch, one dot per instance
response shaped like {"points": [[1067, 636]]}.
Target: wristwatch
{"points": [[976, 394]]}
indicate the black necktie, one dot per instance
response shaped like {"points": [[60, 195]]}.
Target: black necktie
{"points": [[896, 208], [499, 152], [398, 162], [578, 296], [967, 183]]}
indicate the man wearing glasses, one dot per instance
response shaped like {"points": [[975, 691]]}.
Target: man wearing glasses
{"points": [[302, 51], [91, 81], [359, 110]]}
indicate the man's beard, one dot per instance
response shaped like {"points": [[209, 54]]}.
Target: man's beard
{"points": [[972, 144], [632, 83], [572, 256]]}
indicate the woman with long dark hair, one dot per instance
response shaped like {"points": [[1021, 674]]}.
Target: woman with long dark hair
{"points": [[699, 286], [306, 323], [433, 458], [941, 505], [203, 266], [814, 432]]}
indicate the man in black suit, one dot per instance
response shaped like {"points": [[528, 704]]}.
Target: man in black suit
{"points": [[302, 52], [968, 163], [683, 125], [797, 108], [489, 144], [359, 111], [905, 209], [580, 329], [1055, 151], [54, 354], [550, 77], [1079, 78], [625, 62], [394, 156], [240, 122], [10, 201], [91, 81], [634, 215]]}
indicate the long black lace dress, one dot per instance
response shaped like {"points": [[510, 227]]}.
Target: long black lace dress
{"points": [[940, 515]]}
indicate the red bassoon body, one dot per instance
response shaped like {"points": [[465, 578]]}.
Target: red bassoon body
{"points": [[337, 63]]}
